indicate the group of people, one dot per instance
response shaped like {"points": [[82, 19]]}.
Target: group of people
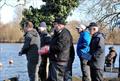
{"points": [[90, 50], [41, 47]]}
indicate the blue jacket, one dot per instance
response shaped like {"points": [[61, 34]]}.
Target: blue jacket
{"points": [[83, 45]]}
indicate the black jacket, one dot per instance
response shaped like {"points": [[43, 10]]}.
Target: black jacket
{"points": [[97, 47], [61, 47], [45, 38]]}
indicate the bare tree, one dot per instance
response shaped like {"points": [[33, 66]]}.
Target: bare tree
{"points": [[104, 11], [6, 3]]}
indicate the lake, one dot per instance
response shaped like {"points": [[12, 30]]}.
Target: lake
{"points": [[18, 68]]}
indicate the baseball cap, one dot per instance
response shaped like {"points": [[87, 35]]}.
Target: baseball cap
{"points": [[81, 26], [92, 24]]}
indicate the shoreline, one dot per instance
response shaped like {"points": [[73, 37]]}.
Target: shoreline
{"points": [[74, 43], [105, 79]]}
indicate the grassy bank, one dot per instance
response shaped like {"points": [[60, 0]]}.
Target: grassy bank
{"points": [[105, 79], [10, 34]]}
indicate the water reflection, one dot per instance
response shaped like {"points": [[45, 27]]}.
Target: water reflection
{"points": [[18, 67]]}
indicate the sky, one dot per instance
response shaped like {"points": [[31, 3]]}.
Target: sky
{"points": [[7, 13]]}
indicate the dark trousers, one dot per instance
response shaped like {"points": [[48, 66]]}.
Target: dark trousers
{"points": [[68, 71], [85, 68], [32, 66], [119, 66], [96, 74], [57, 71], [43, 67]]}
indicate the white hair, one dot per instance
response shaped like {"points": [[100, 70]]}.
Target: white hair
{"points": [[42, 28], [81, 26]]}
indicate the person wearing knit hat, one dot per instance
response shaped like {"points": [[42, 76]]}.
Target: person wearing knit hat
{"points": [[83, 51], [42, 27], [45, 40]]}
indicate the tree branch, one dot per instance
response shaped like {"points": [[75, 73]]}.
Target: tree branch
{"points": [[108, 15], [5, 3]]}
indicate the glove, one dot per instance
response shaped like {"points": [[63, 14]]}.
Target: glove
{"points": [[43, 50], [20, 53]]}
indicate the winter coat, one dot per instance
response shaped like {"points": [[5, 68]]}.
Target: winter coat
{"points": [[111, 57], [83, 45], [97, 47], [31, 46], [45, 38], [61, 47]]}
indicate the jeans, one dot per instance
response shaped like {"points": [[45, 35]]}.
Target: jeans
{"points": [[68, 71], [96, 74], [85, 70]]}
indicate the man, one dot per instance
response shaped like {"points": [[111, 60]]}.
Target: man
{"points": [[97, 47], [45, 40], [119, 67], [60, 46], [68, 71], [83, 51], [111, 57], [30, 48]]}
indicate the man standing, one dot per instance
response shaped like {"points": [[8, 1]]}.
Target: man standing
{"points": [[45, 41], [59, 51], [83, 51], [68, 71], [97, 47], [119, 67], [30, 48]]}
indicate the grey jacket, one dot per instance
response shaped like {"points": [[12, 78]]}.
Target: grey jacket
{"points": [[97, 47], [31, 43]]}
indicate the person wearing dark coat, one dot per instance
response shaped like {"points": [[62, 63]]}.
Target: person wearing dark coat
{"points": [[97, 47], [30, 48], [60, 47], [45, 40], [68, 71], [111, 57], [119, 67]]}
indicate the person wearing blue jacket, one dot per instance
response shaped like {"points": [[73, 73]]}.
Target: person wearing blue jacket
{"points": [[83, 51]]}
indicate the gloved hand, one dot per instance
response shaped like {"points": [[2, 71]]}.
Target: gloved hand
{"points": [[44, 50], [20, 53]]}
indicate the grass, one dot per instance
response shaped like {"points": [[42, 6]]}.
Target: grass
{"points": [[105, 79]]}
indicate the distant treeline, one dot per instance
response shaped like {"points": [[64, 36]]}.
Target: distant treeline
{"points": [[12, 33], [112, 37]]}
